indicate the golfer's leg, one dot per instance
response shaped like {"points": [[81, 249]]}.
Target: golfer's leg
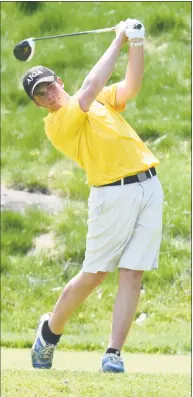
{"points": [[125, 306], [75, 293]]}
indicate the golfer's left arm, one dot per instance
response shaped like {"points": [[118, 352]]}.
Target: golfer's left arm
{"points": [[130, 86]]}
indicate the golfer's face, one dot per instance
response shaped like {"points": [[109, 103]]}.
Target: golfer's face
{"points": [[48, 94]]}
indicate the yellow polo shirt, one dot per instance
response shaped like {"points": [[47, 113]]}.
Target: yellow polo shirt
{"points": [[99, 140]]}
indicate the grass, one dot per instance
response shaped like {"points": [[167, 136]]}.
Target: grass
{"points": [[55, 384], [14, 358], [161, 116]]}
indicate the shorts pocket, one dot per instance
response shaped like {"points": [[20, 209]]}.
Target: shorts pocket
{"points": [[95, 203]]}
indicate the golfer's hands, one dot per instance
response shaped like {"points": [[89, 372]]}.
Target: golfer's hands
{"points": [[134, 30], [120, 30]]}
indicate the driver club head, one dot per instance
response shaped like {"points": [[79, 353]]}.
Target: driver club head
{"points": [[25, 49]]}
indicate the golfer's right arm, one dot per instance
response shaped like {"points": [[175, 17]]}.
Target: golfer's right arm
{"points": [[101, 73]]}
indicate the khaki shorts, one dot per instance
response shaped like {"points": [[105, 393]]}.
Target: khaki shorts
{"points": [[124, 227]]}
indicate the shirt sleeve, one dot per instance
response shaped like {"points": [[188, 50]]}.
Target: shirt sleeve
{"points": [[108, 96], [63, 125]]}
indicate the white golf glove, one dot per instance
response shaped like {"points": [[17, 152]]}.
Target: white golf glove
{"points": [[134, 29]]}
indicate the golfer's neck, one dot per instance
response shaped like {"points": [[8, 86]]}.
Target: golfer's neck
{"points": [[61, 102]]}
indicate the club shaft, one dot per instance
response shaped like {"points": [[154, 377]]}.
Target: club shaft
{"points": [[75, 34]]}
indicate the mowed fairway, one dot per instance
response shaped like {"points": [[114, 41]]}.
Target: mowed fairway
{"points": [[77, 384], [90, 361], [76, 374]]}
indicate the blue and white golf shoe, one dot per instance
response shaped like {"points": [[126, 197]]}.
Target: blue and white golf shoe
{"points": [[42, 352], [112, 363]]}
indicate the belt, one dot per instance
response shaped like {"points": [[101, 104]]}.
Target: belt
{"points": [[140, 177]]}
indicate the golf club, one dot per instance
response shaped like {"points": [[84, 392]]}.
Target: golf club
{"points": [[25, 49]]}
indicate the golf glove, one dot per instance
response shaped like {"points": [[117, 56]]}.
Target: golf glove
{"points": [[132, 31]]}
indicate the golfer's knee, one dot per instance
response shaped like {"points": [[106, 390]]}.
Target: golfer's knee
{"points": [[93, 279], [131, 276]]}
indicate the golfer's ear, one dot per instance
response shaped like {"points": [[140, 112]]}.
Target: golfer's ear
{"points": [[59, 80]]}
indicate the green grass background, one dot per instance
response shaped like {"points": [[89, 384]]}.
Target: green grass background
{"points": [[161, 114], [59, 383]]}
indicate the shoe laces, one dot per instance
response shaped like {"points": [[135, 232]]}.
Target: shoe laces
{"points": [[47, 352], [114, 357]]}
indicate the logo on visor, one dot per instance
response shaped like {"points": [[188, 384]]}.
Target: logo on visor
{"points": [[34, 74]]}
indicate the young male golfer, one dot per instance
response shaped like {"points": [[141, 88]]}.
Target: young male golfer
{"points": [[125, 203]]}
